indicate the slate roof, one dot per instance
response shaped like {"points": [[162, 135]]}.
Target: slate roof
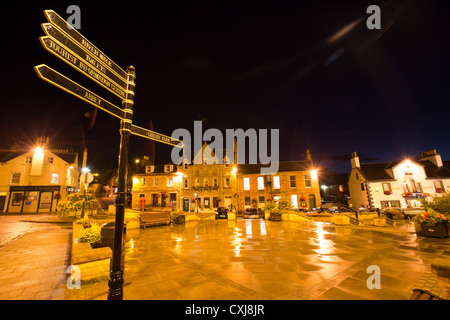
{"points": [[377, 171]]}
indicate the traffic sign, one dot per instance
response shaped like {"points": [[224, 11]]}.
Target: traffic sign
{"points": [[62, 24], [86, 177], [48, 74], [145, 133], [82, 54], [74, 61]]}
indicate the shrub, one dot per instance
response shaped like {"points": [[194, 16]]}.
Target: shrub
{"points": [[91, 235]]}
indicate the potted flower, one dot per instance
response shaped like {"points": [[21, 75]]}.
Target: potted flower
{"points": [[177, 217], [432, 224], [275, 214], [387, 192]]}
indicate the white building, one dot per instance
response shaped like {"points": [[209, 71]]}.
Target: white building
{"points": [[34, 181], [400, 184]]}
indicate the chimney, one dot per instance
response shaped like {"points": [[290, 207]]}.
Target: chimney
{"points": [[354, 160], [432, 156], [307, 155]]}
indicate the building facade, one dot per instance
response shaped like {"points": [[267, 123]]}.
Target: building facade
{"points": [[398, 184], [204, 185], [34, 181]]}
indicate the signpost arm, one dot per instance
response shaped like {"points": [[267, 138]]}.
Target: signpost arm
{"points": [[116, 280]]}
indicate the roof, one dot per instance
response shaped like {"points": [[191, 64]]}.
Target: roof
{"points": [[287, 166], [6, 156], [433, 171], [377, 171]]}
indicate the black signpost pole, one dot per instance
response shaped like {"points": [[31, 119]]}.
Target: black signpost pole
{"points": [[116, 280]]}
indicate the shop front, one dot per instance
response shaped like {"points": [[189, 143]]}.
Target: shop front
{"points": [[32, 199]]}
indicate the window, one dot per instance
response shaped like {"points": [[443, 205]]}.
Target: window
{"points": [[186, 183], [362, 186], [206, 202], [341, 188], [227, 182], [357, 176], [15, 178], [55, 178], [390, 204], [246, 183], [439, 186], [387, 188], [307, 181], [262, 200], [185, 165], [260, 183], [419, 187], [155, 182], [294, 201], [214, 182], [50, 160], [276, 182], [197, 182], [149, 169], [206, 182], [27, 160], [142, 182], [247, 201], [293, 182], [216, 202], [169, 181], [408, 170]]}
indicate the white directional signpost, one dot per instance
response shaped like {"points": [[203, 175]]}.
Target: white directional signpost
{"points": [[67, 44]]}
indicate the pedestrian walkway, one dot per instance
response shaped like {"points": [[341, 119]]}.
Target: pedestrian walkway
{"points": [[265, 260], [234, 260], [33, 266]]}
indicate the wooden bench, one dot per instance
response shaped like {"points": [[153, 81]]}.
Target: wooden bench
{"points": [[420, 294], [154, 218]]}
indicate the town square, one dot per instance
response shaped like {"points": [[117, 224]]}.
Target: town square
{"points": [[229, 152]]}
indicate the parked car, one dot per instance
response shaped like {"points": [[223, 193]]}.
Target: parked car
{"points": [[253, 213], [221, 213]]}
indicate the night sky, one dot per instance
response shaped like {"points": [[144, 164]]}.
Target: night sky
{"points": [[309, 68]]}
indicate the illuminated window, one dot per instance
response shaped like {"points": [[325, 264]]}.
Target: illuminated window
{"points": [[307, 180], [27, 160], [408, 170], [186, 183], [246, 183], [206, 182], [276, 182], [260, 183], [155, 182], [169, 181], [214, 182], [55, 178], [227, 182], [142, 181]]}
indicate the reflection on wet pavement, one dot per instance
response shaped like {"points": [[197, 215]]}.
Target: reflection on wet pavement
{"points": [[260, 259]]}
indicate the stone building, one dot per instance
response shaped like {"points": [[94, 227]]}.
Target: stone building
{"points": [[204, 185]]}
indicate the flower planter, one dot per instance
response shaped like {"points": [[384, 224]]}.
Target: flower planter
{"points": [[439, 230], [180, 219], [275, 216]]}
